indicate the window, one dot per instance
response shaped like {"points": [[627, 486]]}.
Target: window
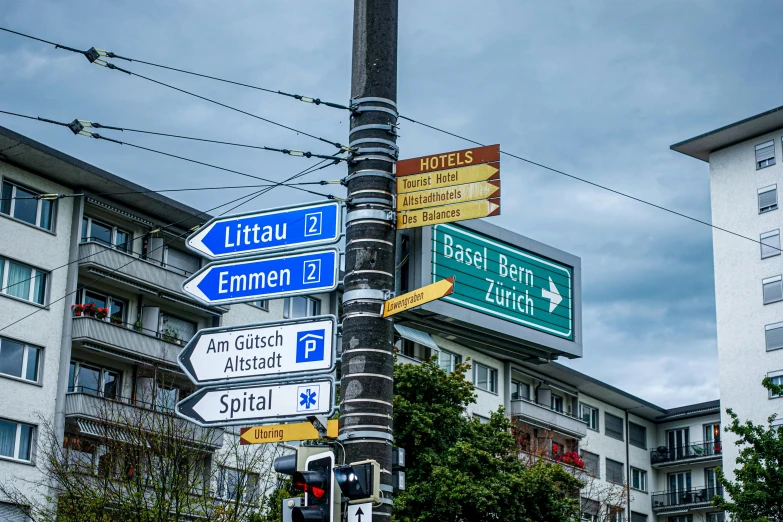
{"points": [[777, 381], [639, 479], [772, 289], [768, 199], [234, 484], [637, 435], [590, 509], [16, 440], [589, 415], [485, 378], [557, 403], [19, 360], [22, 204], [93, 380], [181, 262], [614, 426], [712, 431], [592, 464], [682, 518], [773, 336], [176, 330], [614, 514], [638, 517], [520, 390], [22, 281], [765, 154], [263, 304], [106, 234], [716, 517], [301, 306], [117, 307], [770, 244], [614, 471], [166, 398], [448, 361], [482, 419]]}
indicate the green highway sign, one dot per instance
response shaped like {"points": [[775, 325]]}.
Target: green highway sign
{"points": [[504, 281]]}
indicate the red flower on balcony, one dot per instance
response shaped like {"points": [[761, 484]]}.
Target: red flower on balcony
{"points": [[571, 458]]}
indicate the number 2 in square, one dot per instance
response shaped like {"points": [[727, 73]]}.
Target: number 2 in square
{"points": [[312, 272], [313, 224]]}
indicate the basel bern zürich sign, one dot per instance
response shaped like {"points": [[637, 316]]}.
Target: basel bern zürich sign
{"points": [[502, 281]]}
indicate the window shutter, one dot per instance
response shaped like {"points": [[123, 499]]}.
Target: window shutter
{"points": [[592, 464], [614, 471], [614, 426], [637, 435], [765, 151], [182, 261], [638, 517], [768, 199], [770, 244], [774, 336], [773, 290]]}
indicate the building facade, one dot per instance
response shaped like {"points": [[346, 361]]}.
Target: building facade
{"points": [[100, 247], [745, 176]]}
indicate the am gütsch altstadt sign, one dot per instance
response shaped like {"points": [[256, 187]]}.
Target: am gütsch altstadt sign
{"points": [[268, 277], [250, 353], [504, 281], [271, 230], [259, 403]]}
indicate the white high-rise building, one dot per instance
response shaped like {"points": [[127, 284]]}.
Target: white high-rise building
{"points": [[745, 177]]}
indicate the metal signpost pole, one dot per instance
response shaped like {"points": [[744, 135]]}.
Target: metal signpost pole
{"points": [[367, 360]]}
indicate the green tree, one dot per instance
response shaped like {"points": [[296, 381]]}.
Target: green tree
{"points": [[756, 494], [459, 469]]}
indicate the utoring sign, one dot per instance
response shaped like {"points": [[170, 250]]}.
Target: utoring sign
{"points": [[503, 281]]}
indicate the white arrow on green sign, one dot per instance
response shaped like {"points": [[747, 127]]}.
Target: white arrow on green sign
{"points": [[504, 281]]}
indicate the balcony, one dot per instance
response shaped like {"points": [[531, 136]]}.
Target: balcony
{"points": [[694, 452], [539, 415], [694, 498], [126, 338], [124, 419]]}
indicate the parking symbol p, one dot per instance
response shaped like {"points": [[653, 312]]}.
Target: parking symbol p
{"points": [[310, 346]]}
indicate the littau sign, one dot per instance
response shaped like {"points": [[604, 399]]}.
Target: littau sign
{"points": [[276, 229], [503, 281], [260, 352]]}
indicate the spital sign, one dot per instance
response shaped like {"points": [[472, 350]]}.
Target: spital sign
{"points": [[504, 281]]}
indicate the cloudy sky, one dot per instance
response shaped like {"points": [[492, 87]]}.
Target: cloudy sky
{"points": [[598, 88]]}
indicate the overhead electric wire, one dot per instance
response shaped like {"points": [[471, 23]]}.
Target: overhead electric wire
{"points": [[598, 185], [95, 135], [94, 56], [77, 127]]}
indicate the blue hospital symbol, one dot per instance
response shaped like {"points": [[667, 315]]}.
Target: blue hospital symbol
{"points": [[308, 398], [310, 346]]}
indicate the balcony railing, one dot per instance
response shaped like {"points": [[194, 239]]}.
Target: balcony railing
{"points": [[546, 417], [127, 338], [691, 451], [690, 497], [127, 416]]}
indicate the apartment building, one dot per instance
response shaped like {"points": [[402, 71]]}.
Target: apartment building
{"points": [[662, 460], [745, 176], [93, 314]]}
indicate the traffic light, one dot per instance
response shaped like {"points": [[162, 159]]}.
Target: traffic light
{"points": [[359, 481], [311, 473]]}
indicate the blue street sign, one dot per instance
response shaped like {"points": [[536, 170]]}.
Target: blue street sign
{"points": [[224, 282], [277, 229]]}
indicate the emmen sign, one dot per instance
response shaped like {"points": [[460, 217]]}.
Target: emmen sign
{"points": [[504, 281]]}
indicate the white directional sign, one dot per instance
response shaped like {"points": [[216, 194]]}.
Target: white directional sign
{"points": [[360, 512], [271, 230], [270, 277], [258, 404], [261, 351]]}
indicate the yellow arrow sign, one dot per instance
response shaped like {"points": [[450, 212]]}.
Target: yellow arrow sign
{"points": [[448, 195], [285, 432], [425, 294], [446, 178], [448, 213]]}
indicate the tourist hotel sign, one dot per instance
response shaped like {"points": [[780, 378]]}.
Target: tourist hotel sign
{"points": [[249, 404], [285, 432], [251, 279], [261, 352], [418, 297], [277, 229], [444, 188], [503, 281]]}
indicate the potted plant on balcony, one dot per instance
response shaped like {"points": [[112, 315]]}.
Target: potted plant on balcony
{"points": [[571, 458], [171, 335], [116, 319], [101, 313], [89, 309], [137, 325], [78, 309]]}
